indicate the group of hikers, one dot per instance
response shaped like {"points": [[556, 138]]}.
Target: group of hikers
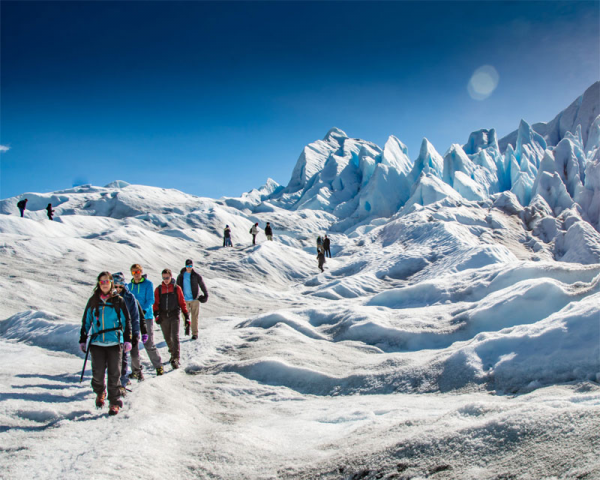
{"points": [[22, 205], [118, 316], [254, 231]]}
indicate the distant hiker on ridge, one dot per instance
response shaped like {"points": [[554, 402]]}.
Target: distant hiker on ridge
{"points": [[227, 237], [320, 244], [168, 304], [254, 232], [106, 333], [321, 259], [269, 232], [22, 205], [143, 291], [50, 211], [327, 246], [191, 283]]}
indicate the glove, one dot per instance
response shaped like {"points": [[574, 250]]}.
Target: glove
{"points": [[127, 347], [144, 338], [203, 298], [187, 326], [82, 347]]}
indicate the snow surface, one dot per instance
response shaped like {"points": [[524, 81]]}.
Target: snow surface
{"points": [[454, 334]]}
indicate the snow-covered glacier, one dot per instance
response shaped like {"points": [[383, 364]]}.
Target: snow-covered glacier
{"points": [[455, 333]]}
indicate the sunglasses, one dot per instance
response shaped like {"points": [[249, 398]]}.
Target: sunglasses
{"points": [[166, 278], [118, 286], [134, 272], [104, 282], [189, 266]]}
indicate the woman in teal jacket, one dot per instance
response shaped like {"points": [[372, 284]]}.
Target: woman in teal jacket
{"points": [[106, 331]]}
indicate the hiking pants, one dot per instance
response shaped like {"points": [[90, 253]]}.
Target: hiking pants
{"points": [[106, 359], [124, 368], [328, 252], [170, 330], [253, 239], [194, 309], [22, 210], [270, 237], [150, 348]]}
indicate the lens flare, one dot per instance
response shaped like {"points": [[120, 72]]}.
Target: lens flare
{"points": [[483, 82]]}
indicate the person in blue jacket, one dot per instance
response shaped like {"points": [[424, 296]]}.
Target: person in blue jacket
{"points": [[143, 290], [138, 327], [106, 332]]}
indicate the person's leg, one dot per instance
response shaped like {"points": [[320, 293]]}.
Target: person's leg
{"points": [[98, 355], [165, 326], [253, 239], [194, 309], [114, 358], [150, 346], [175, 337], [136, 364], [124, 365]]}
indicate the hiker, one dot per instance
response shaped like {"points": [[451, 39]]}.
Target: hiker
{"points": [[227, 237], [138, 327], [320, 244], [191, 283], [269, 231], [106, 332], [327, 246], [143, 291], [254, 232], [168, 304], [50, 211], [321, 259], [22, 205]]}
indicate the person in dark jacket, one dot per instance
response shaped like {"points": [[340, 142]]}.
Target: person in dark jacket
{"points": [[138, 327], [106, 332], [321, 259], [191, 283], [269, 231], [50, 211], [143, 291], [320, 244], [168, 304], [22, 205], [227, 237], [327, 246]]}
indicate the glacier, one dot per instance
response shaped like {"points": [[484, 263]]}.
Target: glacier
{"points": [[455, 333]]}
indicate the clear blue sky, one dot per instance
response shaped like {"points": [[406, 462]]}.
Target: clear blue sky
{"points": [[213, 98]]}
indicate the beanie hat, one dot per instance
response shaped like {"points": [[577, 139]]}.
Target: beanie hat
{"points": [[118, 278], [189, 263]]}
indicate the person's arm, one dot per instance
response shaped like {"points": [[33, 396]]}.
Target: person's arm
{"points": [[204, 297], [86, 321], [127, 331], [156, 306]]}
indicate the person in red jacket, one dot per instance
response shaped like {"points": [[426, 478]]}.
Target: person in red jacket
{"points": [[168, 304]]}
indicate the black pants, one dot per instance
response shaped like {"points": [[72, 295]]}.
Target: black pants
{"points": [[328, 252], [106, 359], [253, 239], [22, 210], [170, 330]]}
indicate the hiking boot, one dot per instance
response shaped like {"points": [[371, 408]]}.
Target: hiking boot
{"points": [[194, 337], [160, 371], [175, 364], [113, 409], [137, 376], [100, 399]]}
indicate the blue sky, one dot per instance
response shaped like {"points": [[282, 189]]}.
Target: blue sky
{"points": [[213, 98]]}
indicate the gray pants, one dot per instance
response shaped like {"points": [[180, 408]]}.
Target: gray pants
{"points": [[106, 359], [150, 347], [170, 330]]}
